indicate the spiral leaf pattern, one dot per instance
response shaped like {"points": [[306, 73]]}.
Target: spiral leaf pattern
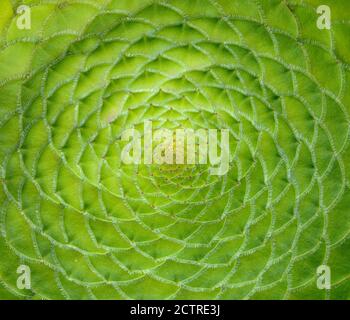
{"points": [[91, 227]]}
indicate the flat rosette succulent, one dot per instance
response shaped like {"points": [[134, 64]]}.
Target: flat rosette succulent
{"points": [[76, 222]]}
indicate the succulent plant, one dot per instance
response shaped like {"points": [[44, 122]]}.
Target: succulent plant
{"points": [[90, 227]]}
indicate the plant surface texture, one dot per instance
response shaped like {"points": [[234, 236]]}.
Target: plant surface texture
{"points": [[87, 226]]}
